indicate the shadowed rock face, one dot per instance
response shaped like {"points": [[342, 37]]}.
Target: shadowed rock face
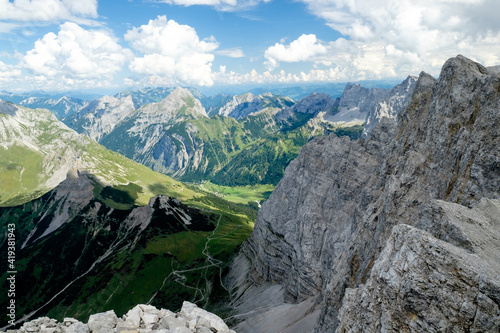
{"points": [[325, 227]]}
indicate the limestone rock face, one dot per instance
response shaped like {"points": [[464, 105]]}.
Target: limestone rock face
{"points": [[142, 318], [422, 283], [324, 229], [391, 105]]}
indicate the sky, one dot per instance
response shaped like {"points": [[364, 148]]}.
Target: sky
{"points": [[64, 45]]}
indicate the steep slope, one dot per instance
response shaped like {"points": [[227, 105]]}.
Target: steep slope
{"points": [[82, 253], [325, 225], [38, 152], [391, 105], [100, 117]]}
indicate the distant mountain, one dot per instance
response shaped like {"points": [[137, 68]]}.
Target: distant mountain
{"points": [[12, 97], [243, 105], [100, 116], [176, 137], [61, 108], [250, 141], [355, 103], [391, 105], [213, 104], [37, 152], [151, 95]]}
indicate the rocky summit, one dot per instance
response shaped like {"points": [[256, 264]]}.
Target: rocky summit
{"points": [[398, 232], [141, 319]]}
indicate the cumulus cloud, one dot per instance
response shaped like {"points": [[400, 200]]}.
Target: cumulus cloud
{"points": [[47, 10], [173, 53], [75, 57], [306, 47], [8, 72], [410, 35]]}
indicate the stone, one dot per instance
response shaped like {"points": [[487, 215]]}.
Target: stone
{"points": [[126, 326], [134, 315], [170, 322], [103, 322], [193, 311], [150, 319], [77, 327]]}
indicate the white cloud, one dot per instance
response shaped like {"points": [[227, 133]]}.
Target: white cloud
{"points": [[407, 36], [232, 53], [314, 75], [173, 53], [8, 72], [47, 10], [222, 5], [75, 57], [304, 48]]}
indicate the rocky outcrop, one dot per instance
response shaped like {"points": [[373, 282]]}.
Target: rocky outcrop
{"points": [[443, 281], [142, 318], [391, 105], [324, 229]]}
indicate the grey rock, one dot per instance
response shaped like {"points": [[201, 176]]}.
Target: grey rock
{"points": [[391, 105], [189, 320], [103, 322], [191, 310], [324, 227], [170, 322], [7, 108], [420, 283], [355, 103]]}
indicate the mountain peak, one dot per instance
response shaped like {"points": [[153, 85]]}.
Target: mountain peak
{"points": [[463, 67]]}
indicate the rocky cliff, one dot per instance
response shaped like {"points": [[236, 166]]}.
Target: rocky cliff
{"points": [[354, 219]]}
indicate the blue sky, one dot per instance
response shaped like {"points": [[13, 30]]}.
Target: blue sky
{"points": [[59, 45]]}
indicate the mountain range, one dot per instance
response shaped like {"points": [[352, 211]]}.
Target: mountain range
{"points": [[384, 216], [89, 219]]}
